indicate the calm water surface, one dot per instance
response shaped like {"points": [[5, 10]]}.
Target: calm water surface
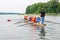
{"points": [[11, 31]]}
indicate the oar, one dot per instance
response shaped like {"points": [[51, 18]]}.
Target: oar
{"points": [[26, 24], [52, 22], [19, 22], [23, 25], [17, 19]]}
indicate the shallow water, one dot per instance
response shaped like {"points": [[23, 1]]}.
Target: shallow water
{"points": [[11, 31]]}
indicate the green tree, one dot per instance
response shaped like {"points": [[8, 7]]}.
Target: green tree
{"points": [[52, 6]]}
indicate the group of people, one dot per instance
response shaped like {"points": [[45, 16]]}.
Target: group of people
{"points": [[36, 21]]}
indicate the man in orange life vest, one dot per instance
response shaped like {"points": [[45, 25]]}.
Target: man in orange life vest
{"points": [[26, 18]]}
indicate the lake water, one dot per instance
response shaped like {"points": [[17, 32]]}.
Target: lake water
{"points": [[11, 31]]}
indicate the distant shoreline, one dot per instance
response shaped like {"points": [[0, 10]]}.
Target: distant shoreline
{"points": [[47, 14], [12, 14]]}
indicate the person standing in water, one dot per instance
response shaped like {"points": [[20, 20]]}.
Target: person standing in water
{"points": [[42, 14]]}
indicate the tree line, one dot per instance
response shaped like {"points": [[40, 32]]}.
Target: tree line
{"points": [[49, 7]]}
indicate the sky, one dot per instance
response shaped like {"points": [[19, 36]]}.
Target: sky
{"points": [[17, 6]]}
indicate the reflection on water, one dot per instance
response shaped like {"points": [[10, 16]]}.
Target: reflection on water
{"points": [[11, 31], [42, 33]]}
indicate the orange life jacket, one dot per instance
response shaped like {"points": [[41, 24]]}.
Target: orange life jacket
{"points": [[33, 19]]}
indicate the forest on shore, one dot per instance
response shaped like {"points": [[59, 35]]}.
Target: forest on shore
{"points": [[49, 7]]}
